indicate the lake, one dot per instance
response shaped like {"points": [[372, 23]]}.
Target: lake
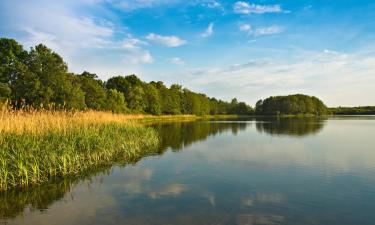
{"points": [[241, 172]]}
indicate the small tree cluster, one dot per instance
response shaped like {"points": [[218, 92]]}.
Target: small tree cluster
{"points": [[291, 105]]}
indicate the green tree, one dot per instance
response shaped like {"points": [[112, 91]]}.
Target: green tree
{"points": [[95, 94], [55, 84], [116, 101], [136, 99], [153, 101]]}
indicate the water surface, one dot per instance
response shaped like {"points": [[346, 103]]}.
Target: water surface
{"points": [[243, 172]]}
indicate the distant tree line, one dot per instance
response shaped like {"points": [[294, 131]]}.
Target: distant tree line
{"points": [[291, 105], [360, 110], [40, 78]]}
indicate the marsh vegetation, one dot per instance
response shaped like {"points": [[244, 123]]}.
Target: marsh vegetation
{"points": [[38, 145]]}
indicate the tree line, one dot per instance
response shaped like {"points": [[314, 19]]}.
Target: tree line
{"points": [[360, 110], [40, 78]]}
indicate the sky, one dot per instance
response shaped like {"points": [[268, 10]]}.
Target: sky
{"points": [[245, 49]]}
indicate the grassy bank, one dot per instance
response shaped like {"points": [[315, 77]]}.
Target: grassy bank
{"points": [[38, 145]]}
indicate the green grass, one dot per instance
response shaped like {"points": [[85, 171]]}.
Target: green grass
{"points": [[31, 158]]}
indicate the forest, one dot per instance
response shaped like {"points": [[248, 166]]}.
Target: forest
{"points": [[40, 78]]}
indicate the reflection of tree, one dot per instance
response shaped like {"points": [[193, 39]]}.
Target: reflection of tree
{"points": [[179, 135], [290, 126], [40, 197], [176, 136]]}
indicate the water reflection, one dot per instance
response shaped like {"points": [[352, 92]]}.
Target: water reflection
{"points": [[254, 171], [41, 197], [290, 126], [178, 135], [173, 135]]}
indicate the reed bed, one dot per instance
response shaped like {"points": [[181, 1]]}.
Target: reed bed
{"points": [[36, 145]]}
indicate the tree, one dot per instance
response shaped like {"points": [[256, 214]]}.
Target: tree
{"points": [[116, 101], [118, 83], [56, 84], [136, 99], [12, 57], [5, 91], [93, 89], [153, 101]]}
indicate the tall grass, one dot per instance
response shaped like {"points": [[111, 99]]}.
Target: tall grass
{"points": [[38, 145]]}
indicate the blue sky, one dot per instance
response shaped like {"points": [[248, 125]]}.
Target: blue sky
{"points": [[244, 49]]}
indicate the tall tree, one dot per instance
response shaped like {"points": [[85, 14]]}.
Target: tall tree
{"points": [[93, 89]]}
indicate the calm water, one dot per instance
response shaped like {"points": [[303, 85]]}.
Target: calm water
{"points": [[256, 171]]}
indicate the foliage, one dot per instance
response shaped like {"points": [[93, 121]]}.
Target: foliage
{"points": [[41, 145], [40, 78], [291, 105], [116, 101], [360, 110], [93, 88]]}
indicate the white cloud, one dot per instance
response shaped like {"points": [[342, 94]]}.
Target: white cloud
{"points": [[132, 43], [209, 31], [177, 61], [242, 7], [84, 41], [139, 4], [213, 4], [169, 41], [336, 78], [268, 30], [245, 27]]}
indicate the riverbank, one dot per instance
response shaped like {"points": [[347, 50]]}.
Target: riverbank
{"points": [[38, 145]]}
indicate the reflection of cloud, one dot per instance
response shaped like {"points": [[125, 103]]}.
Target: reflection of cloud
{"points": [[253, 219], [133, 177], [211, 198], [263, 198], [83, 209], [169, 190], [247, 202], [319, 151], [269, 198]]}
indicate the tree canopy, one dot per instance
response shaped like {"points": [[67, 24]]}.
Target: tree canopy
{"points": [[40, 78], [291, 105]]}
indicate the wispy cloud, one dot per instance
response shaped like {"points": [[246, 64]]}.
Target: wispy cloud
{"points": [[176, 61], [340, 75], [260, 31], [138, 54], [213, 4], [245, 27], [242, 7], [169, 41], [85, 41], [268, 30], [209, 31], [139, 4]]}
